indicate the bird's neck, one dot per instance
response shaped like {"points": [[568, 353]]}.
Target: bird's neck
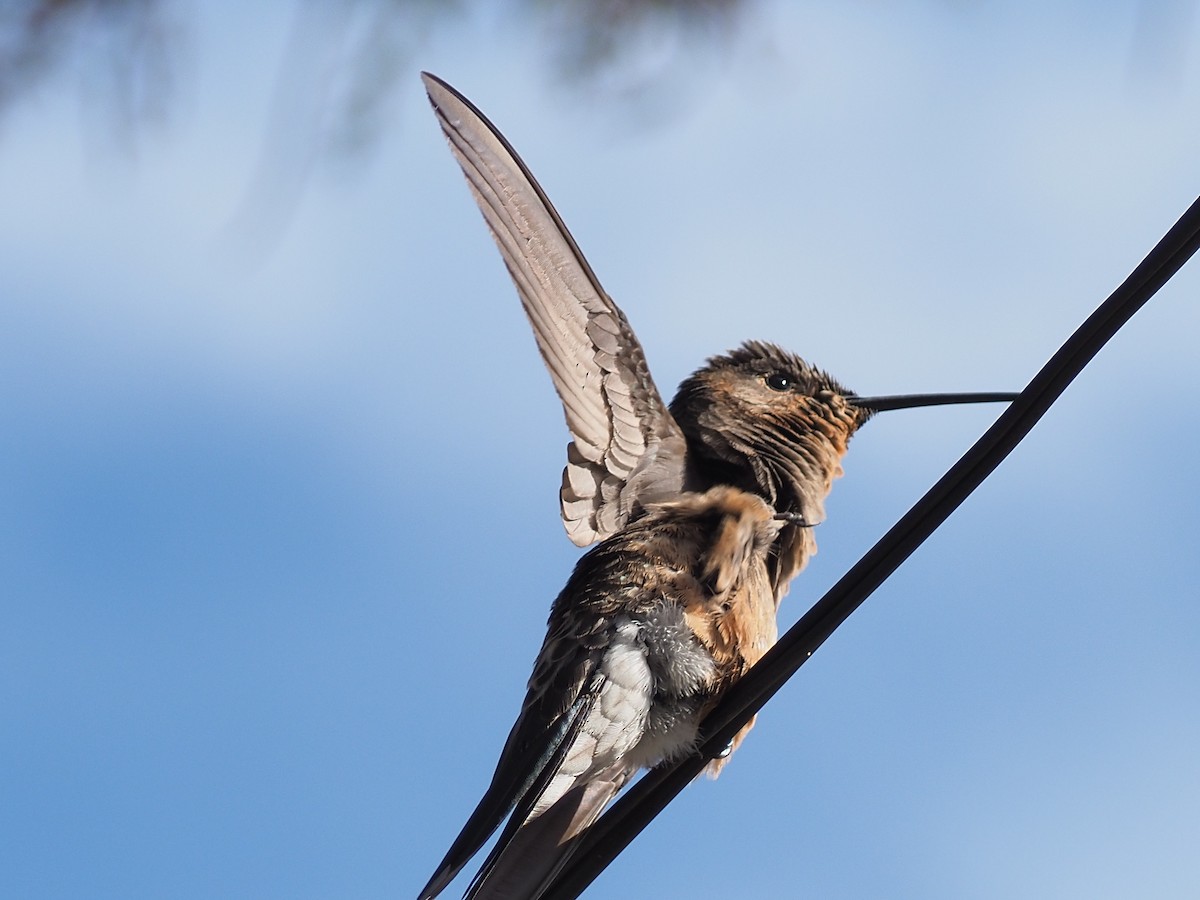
{"points": [[795, 477]]}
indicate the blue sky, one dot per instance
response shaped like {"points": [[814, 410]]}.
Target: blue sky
{"points": [[279, 505]]}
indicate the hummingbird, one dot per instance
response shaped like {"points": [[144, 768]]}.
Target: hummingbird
{"points": [[702, 512]]}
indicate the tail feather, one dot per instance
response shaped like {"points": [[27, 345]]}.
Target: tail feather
{"points": [[522, 867]]}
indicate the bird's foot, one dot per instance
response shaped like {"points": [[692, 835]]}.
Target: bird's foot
{"points": [[794, 518]]}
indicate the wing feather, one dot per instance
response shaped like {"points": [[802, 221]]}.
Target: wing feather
{"points": [[538, 851], [626, 450], [551, 716]]}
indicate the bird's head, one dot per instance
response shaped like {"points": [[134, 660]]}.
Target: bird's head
{"points": [[763, 419]]}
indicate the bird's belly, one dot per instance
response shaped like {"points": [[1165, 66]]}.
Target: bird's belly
{"points": [[684, 677], [671, 730]]}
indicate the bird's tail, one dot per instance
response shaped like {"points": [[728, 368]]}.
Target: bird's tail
{"points": [[522, 867]]}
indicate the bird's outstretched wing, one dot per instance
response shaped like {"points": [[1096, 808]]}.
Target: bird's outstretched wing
{"points": [[626, 450]]}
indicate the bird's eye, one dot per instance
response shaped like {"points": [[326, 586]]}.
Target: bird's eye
{"points": [[777, 381]]}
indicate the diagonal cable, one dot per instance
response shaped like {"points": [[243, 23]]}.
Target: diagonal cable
{"points": [[650, 795]]}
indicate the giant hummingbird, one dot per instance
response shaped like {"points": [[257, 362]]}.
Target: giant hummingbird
{"points": [[702, 512]]}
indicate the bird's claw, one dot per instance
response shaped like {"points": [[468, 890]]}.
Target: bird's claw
{"points": [[794, 518]]}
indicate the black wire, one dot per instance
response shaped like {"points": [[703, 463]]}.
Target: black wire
{"points": [[650, 795]]}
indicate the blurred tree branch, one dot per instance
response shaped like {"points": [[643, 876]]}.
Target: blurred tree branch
{"points": [[342, 69], [127, 52], [123, 53]]}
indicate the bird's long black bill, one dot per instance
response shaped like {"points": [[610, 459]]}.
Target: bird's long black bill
{"points": [[908, 401]]}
